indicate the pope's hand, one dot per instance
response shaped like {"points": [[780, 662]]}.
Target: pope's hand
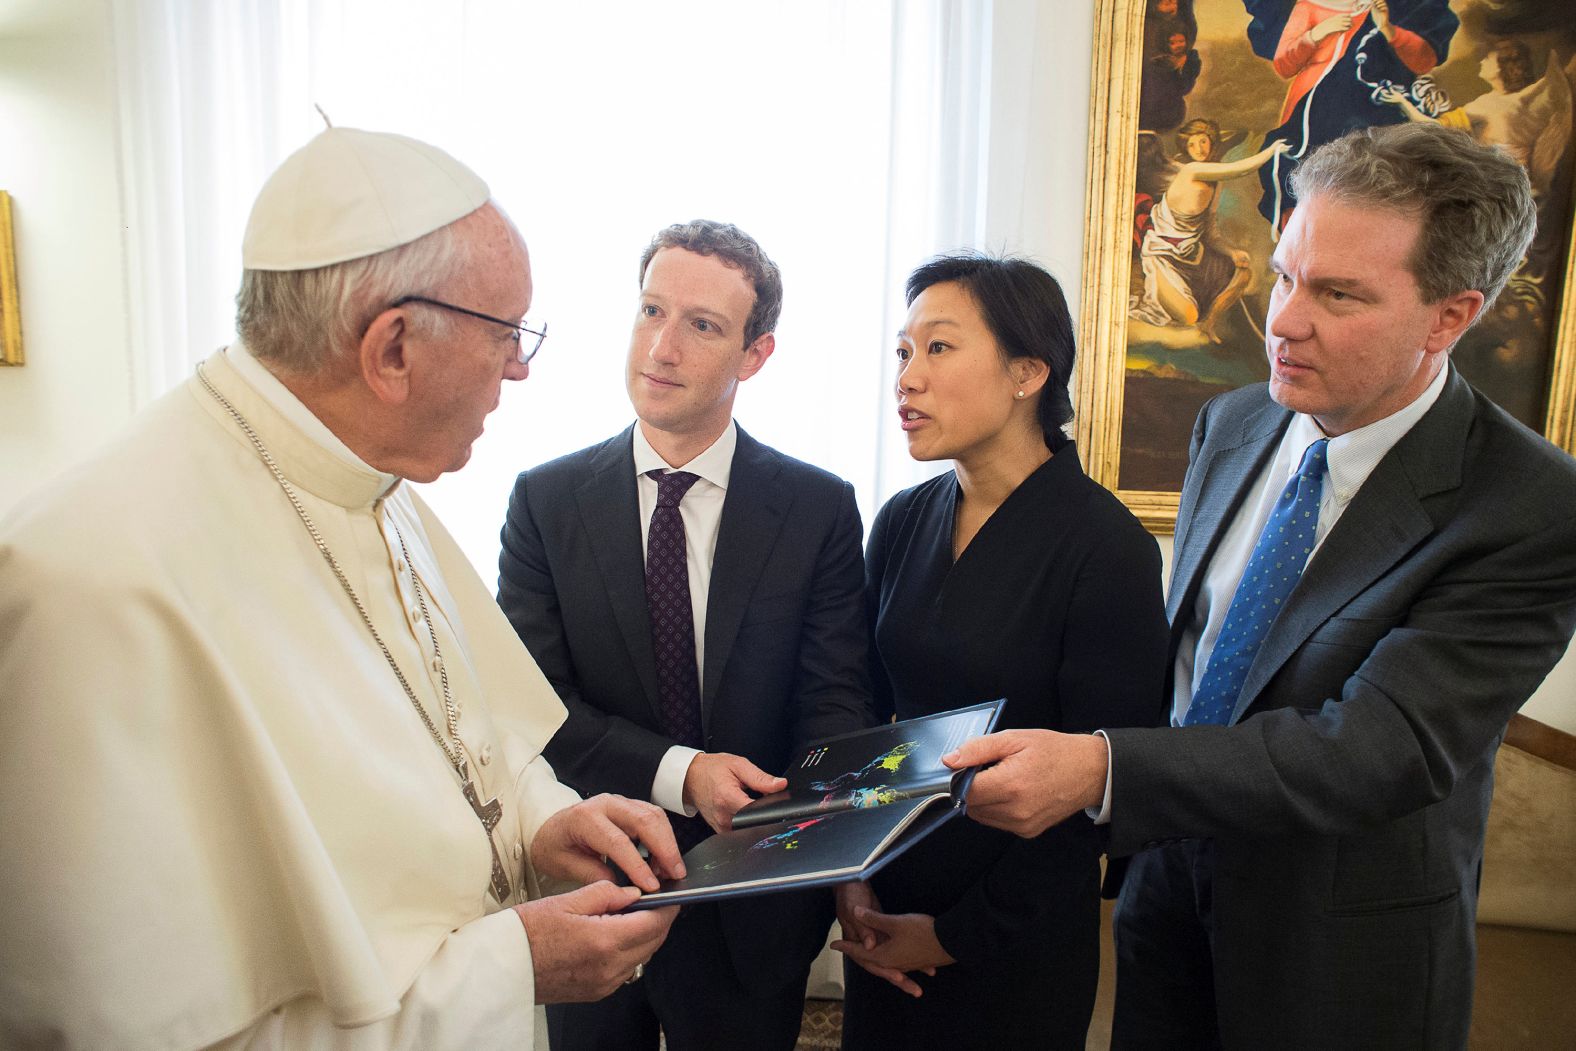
{"points": [[717, 784], [580, 951], [573, 842], [1032, 779]]}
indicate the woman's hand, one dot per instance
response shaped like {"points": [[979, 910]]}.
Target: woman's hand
{"points": [[850, 897], [885, 944]]}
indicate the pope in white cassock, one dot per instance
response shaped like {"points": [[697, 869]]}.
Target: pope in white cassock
{"points": [[270, 769]]}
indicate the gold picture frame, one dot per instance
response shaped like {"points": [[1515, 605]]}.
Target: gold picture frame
{"points": [[1111, 277], [10, 306]]}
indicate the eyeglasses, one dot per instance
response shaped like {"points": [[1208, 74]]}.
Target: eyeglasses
{"points": [[525, 349]]}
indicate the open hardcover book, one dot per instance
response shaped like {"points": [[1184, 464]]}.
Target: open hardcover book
{"points": [[853, 803]]}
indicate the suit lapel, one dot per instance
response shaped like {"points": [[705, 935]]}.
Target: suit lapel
{"points": [[752, 517], [610, 515], [1214, 492], [1385, 521]]}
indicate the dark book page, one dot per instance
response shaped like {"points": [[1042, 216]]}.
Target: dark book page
{"points": [[799, 853], [872, 768]]}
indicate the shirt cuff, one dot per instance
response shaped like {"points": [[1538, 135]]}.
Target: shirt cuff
{"points": [[667, 788], [1103, 815]]}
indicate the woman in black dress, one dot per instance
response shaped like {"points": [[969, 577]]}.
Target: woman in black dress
{"points": [[1014, 575]]}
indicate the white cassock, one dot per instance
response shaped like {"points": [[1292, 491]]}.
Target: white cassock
{"points": [[221, 819]]}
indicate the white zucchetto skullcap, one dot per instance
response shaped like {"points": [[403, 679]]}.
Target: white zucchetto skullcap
{"points": [[351, 193]]}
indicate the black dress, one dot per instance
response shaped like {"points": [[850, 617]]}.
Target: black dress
{"points": [[1055, 605]]}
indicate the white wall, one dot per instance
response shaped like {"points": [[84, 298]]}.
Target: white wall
{"points": [[58, 162], [57, 105]]}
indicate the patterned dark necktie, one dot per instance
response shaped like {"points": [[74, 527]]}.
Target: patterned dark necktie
{"points": [[673, 629], [1274, 568]]}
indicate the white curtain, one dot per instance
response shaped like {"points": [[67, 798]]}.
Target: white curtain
{"points": [[853, 139], [203, 90]]}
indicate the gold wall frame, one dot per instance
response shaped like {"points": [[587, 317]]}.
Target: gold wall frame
{"points": [[10, 306], [1122, 52]]}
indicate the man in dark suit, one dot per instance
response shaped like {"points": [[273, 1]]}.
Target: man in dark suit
{"points": [[699, 625], [1309, 830]]}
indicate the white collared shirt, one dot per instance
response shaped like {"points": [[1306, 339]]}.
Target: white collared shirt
{"points": [[1350, 459], [291, 408], [701, 513]]}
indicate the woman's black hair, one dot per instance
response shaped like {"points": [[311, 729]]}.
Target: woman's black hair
{"points": [[1024, 308]]}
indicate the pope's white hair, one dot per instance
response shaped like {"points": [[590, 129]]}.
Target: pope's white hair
{"points": [[302, 320]]}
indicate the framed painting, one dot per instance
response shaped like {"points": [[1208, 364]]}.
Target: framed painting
{"points": [[1200, 110], [10, 313]]}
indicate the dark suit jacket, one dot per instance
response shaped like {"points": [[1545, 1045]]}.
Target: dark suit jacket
{"points": [[1347, 802], [786, 641]]}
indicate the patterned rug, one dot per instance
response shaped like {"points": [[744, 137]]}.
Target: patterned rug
{"points": [[823, 1026]]}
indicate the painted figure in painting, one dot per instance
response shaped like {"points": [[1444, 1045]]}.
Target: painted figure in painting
{"points": [[1337, 55], [1164, 17], [1171, 67], [1191, 277], [1530, 117], [1171, 63], [1168, 77]]}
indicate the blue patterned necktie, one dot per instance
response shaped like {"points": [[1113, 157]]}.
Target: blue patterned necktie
{"points": [[673, 629], [1274, 568]]}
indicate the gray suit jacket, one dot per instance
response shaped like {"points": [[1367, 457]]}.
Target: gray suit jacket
{"points": [[786, 641], [1348, 798]]}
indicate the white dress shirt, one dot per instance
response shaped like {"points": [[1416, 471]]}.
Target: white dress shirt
{"points": [[701, 513], [1350, 459]]}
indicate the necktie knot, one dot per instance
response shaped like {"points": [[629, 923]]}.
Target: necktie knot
{"points": [[1313, 459], [672, 485]]}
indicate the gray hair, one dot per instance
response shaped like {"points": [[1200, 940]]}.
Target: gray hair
{"points": [[302, 320], [1474, 203], [736, 249]]}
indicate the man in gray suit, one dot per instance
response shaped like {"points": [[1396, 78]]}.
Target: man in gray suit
{"points": [[697, 600], [1374, 568]]}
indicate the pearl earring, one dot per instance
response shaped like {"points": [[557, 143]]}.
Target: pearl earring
{"points": [[1020, 395]]}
